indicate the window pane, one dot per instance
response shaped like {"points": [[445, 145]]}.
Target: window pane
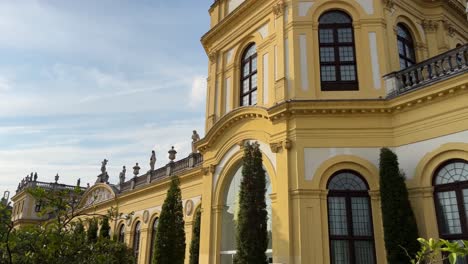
{"points": [[346, 54], [337, 216], [401, 48], [246, 85], [254, 97], [345, 35], [328, 73], [251, 51], [326, 35], [361, 218], [254, 81], [348, 73], [364, 252], [347, 181], [340, 252], [449, 218], [452, 172], [465, 201], [327, 54], [254, 64], [245, 100], [246, 70], [334, 17]]}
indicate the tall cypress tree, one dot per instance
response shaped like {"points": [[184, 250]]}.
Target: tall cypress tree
{"points": [[400, 229], [92, 233], [169, 247], [252, 236], [104, 232], [195, 245]]}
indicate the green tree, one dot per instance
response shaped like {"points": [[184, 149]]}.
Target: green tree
{"points": [[92, 233], [64, 239], [252, 236], [400, 229], [104, 232], [195, 245], [169, 246]]}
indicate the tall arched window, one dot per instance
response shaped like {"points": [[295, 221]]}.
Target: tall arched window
{"points": [[122, 233], [350, 220], [405, 47], [248, 91], [451, 199], [153, 238], [136, 240], [229, 218], [338, 70]]}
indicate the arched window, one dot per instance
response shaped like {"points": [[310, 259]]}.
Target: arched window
{"points": [[350, 220], [405, 47], [153, 238], [122, 233], [248, 91], [451, 199], [337, 53], [136, 240], [229, 218]]}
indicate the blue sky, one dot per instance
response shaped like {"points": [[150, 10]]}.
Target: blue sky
{"points": [[85, 80]]}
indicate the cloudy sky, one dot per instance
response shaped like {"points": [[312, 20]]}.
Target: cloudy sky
{"points": [[85, 80]]}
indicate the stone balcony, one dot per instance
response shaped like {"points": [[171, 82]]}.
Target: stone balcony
{"points": [[436, 69]]}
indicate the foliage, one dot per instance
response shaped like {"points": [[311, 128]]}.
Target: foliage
{"points": [[35, 244], [252, 236], [402, 234], [437, 251], [92, 233], [169, 246], [104, 232], [6, 226], [195, 245], [63, 239]]}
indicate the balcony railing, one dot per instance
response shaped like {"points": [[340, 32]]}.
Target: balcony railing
{"points": [[438, 68]]}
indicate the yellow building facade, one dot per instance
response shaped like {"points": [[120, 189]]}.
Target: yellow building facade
{"points": [[321, 85]]}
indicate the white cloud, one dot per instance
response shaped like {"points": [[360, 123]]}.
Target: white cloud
{"points": [[198, 92]]}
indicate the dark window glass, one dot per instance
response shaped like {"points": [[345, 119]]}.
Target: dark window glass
{"points": [[350, 220], [136, 241], [122, 233], [451, 201], [153, 238], [248, 91], [338, 70], [405, 47]]}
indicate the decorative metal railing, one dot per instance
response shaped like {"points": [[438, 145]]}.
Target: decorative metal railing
{"points": [[192, 161], [441, 67]]}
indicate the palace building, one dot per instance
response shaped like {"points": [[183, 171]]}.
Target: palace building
{"points": [[322, 86]]}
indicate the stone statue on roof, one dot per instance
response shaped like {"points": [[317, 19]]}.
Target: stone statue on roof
{"points": [[122, 175], [195, 138], [152, 160], [103, 166]]}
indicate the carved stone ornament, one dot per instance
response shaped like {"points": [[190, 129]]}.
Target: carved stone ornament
{"points": [[430, 25], [212, 56], [389, 4], [188, 207], [98, 195], [278, 8], [129, 220], [145, 216], [449, 27], [275, 147]]}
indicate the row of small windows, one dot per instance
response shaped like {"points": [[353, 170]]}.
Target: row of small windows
{"points": [[338, 69], [350, 216], [137, 238]]}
